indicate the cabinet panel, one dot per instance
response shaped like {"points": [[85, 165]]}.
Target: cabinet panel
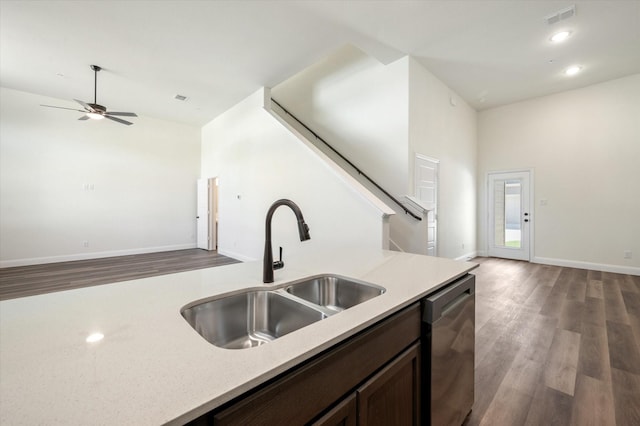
{"points": [[392, 396], [344, 414]]}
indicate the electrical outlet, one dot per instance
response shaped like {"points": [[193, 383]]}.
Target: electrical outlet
{"points": [[628, 254], [85, 244]]}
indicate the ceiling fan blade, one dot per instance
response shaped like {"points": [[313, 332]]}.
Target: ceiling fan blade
{"points": [[84, 117], [128, 123], [123, 114], [85, 105], [71, 109]]}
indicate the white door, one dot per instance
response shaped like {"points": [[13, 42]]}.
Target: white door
{"points": [[426, 190], [510, 216], [205, 214]]}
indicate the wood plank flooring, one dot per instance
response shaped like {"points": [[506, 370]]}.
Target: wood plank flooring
{"points": [[555, 346], [24, 281]]}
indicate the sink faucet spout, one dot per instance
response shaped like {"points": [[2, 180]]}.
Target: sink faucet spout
{"points": [[303, 231]]}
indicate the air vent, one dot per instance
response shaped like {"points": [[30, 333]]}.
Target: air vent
{"points": [[180, 97], [561, 15]]}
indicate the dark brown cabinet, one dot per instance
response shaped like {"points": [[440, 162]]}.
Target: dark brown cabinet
{"points": [[392, 396], [343, 414], [370, 379]]}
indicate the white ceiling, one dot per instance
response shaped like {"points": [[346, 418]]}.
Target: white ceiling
{"points": [[219, 52]]}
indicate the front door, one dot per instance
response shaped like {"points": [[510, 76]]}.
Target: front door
{"points": [[509, 234]]}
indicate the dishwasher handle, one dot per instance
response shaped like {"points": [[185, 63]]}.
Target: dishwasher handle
{"points": [[437, 305]]}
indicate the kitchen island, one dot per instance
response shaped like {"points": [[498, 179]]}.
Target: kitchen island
{"points": [[151, 367]]}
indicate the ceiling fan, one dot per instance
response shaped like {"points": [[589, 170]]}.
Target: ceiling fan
{"points": [[95, 111]]}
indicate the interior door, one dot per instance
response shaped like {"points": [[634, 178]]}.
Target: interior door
{"points": [[206, 221], [426, 190], [510, 216]]}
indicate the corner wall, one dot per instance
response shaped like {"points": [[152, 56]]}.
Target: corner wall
{"points": [[584, 146], [443, 126], [63, 182], [258, 161], [379, 116]]}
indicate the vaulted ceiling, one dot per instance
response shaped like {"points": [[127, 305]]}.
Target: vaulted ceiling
{"points": [[218, 52]]}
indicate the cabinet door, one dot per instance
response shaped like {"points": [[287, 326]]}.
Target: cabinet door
{"points": [[343, 414], [392, 396]]}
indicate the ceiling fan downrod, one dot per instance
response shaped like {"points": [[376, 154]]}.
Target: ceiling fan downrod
{"points": [[95, 69]]}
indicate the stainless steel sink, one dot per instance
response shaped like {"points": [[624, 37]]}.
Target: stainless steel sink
{"points": [[334, 292], [249, 319], [256, 317]]}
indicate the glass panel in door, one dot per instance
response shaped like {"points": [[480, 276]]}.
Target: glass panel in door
{"points": [[509, 215], [507, 205]]}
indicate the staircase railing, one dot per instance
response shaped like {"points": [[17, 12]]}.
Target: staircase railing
{"points": [[346, 160]]}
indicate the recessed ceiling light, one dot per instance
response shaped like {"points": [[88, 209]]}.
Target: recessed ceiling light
{"points": [[573, 70], [94, 337], [560, 36]]}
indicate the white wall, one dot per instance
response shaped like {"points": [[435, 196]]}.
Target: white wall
{"points": [[584, 146], [443, 126], [360, 107], [143, 178], [257, 162]]}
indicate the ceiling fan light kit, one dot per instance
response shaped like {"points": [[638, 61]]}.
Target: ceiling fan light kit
{"points": [[95, 116], [96, 111]]}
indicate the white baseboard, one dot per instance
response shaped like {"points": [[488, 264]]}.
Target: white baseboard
{"points": [[94, 255], [393, 246], [467, 256], [618, 269], [237, 256]]}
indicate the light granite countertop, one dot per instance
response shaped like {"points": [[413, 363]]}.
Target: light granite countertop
{"points": [[151, 367]]}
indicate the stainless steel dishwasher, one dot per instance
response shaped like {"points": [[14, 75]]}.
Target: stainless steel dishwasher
{"points": [[448, 332]]}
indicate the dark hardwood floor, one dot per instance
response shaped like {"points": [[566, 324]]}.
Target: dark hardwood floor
{"points": [[555, 346], [24, 281]]}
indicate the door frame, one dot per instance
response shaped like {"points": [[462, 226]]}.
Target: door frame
{"points": [[531, 211]]}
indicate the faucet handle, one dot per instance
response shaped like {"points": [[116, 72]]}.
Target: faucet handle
{"points": [[279, 264]]}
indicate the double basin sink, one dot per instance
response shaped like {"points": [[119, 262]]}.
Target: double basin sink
{"points": [[255, 317]]}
